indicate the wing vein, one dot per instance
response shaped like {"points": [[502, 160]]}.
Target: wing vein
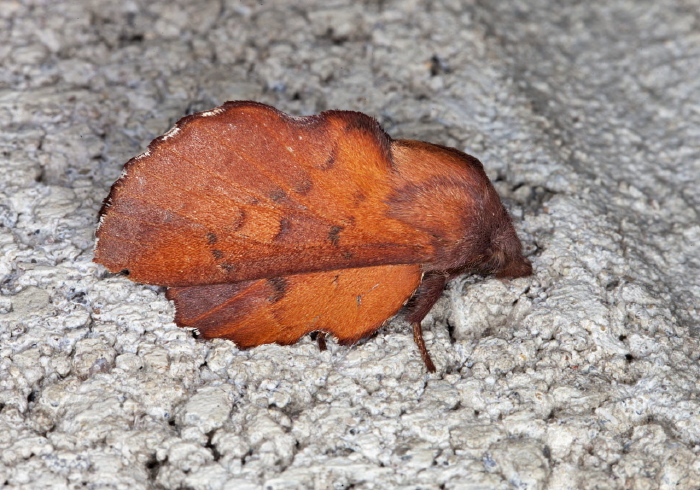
{"points": [[141, 197], [243, 190], [307, 210], [221, 305]]}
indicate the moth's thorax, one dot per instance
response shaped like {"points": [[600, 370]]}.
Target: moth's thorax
{"points": [[447, 194]]}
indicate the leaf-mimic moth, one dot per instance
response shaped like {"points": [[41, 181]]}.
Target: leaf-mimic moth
{"points": [[264, 227]]}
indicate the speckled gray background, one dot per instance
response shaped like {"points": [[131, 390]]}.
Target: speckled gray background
{"points": [[587, 117]]}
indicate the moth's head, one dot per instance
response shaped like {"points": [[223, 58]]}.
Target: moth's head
{"points": [[504, 252]]}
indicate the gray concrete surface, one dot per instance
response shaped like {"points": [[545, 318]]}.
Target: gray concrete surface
{"points": [[587, 117]]}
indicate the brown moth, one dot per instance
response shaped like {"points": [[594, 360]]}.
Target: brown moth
{"points": [[265, 227]]}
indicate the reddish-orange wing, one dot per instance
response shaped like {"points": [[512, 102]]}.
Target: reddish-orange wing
{"points": [[265, 227], [246, 192], [348, 303]]}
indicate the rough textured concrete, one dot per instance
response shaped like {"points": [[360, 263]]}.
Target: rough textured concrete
{"points": [[586, 375]]}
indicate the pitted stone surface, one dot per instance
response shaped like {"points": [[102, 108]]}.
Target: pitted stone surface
{"points": [[583, 376]]}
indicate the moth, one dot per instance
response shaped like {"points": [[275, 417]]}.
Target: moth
{"points": [[264, 227]]}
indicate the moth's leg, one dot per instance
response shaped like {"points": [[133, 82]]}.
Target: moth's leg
{"points": [[424, 298], [418, 338], [321, 339]]}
